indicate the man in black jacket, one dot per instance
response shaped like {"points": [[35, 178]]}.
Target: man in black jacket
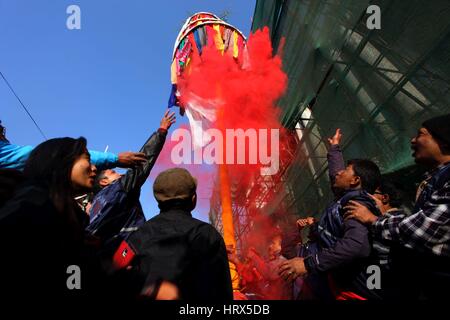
{"points": [[176, 247], [116, 210]]}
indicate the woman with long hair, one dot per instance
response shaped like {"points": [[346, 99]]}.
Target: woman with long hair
{"points": [[63, 166], [42, 227]]}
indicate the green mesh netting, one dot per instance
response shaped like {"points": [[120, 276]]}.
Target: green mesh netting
{"points": [[376, 85]]}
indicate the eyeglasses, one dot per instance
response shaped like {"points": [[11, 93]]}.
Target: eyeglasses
{"points": [[378, 192]]}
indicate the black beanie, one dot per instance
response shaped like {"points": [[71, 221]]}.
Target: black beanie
{"points": [[439, 127]]}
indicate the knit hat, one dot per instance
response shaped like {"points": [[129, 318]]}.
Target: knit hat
{"points": [[175, 183], [439, 127]]}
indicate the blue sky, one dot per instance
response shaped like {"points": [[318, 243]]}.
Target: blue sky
{"points": [[108, 82]]}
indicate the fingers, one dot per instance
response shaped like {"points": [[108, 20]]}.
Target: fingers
{"points": [[139, 154], [301, 224], [354, 204], [350, 209], [139, 157], [284, 273], [288, 274], [170, 115], [168, 120], [286, 266], [373, 197], [377, 201], [348, 216]]}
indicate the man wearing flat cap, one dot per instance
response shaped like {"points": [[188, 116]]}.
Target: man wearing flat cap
{"points": [[178, 248], [421, 259]]}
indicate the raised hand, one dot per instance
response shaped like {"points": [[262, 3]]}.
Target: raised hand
{"points": [[305, 222], [336, 139], [167, 120], [355, 210]]}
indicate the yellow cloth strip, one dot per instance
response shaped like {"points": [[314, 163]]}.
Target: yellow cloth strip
{"points": [[218, 39], [173, 72], [235, 45]]}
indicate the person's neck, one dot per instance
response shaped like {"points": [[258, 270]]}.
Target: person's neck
{"points": [[440, 161], [342, 191], [353, 188], [182, 205]]}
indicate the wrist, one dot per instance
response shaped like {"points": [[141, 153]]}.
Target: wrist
{"points": [[373, 218], [310, 264]]}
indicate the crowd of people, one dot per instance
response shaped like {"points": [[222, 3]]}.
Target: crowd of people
{"points": [[62, 205]]}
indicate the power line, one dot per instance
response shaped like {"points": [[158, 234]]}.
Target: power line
{"points": [[23, 106]]}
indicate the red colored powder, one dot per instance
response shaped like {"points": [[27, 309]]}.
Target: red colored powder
{"points": [[246, 91]]}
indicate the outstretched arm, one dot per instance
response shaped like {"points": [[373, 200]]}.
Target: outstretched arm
{"points": [[13, 156], [335, 158], [136, 177], [423, 230]]}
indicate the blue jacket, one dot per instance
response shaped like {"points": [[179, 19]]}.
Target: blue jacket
{"points": [[116, 210], [13, 156], [344, 246]]}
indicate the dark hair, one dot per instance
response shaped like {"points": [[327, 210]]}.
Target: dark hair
{"points": [[50, 165], [395, 196], [439, 129], [2, 132], [9, 180], [368, 172]]}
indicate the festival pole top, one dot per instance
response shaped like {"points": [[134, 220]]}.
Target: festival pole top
{"points": [[202, 30]]}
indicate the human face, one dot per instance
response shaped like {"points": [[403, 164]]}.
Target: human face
{"points": [[109, 176], [346, 179], [379, 195], [382, 200], [275, 247], [426, 149], [83, 173]]}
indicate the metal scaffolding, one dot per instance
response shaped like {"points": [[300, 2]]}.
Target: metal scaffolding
{"points": [[378, 86]]}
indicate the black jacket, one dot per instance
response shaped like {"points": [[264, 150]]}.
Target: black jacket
{"points": [[176, 247], [38, 246]]}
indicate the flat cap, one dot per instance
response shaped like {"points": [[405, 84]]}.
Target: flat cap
{"points": [[175, 183]]}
